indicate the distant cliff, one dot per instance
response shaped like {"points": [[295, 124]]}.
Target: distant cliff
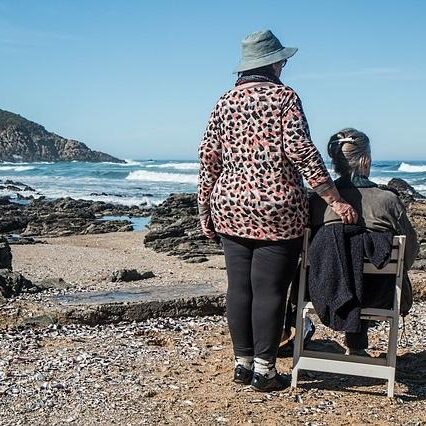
{"points": [[24, 140]]}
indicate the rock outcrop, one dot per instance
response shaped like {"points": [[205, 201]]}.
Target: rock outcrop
{"points": [[11, 283], [24, 140], [5, 254], [404, 190], [175, 229], [64, 216]]}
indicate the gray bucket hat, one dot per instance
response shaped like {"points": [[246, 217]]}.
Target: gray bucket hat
{"points": [[262, 48]]}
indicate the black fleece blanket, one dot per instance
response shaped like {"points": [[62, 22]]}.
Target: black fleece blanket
{"points": [[336, 256]]}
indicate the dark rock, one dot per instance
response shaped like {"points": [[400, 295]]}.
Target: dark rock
{"points": [[65, 216], [56, 283], [39, 321], [419, 264], [200, 259], [127, 275], [13, 284], [20, 240], [4, 200], [5, 254], [21, 186], [139, 304], [24, 140], [175, 229], [405, 191]]}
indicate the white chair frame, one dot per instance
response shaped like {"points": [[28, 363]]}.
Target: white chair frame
{"points": [[381, 368]]}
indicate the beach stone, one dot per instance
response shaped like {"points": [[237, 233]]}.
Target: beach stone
{"points": [[419, 264], [56, 283], [127, 275], [5, 254], [13, 284]]}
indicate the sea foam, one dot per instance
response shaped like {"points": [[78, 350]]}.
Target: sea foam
{"points": [[144, 175], [16, 168], [177, 166], [412, 168]]}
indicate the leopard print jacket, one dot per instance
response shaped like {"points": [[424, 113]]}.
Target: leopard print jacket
{"points": [[254, 155]]}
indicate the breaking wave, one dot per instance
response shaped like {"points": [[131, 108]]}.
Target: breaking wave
{"points": [[412, 168], [144, 175]]}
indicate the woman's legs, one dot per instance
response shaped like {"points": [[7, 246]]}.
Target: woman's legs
{"points": [[238, 258], [273, 268], [259, 273]]}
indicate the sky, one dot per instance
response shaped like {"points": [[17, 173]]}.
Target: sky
{"points": [[138, 79]]}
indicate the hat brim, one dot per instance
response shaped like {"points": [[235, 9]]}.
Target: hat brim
{"points": [[271, 58]]}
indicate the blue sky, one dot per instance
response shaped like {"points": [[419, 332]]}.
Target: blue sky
{"points": [[138, 79]]}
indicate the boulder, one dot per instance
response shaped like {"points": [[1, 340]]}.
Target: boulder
{"points": [[404, 190], [13, 284], [175, 230], [127, 275], [5, 254]]}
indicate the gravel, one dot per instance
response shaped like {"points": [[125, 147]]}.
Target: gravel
{"points": [[169, 371]]}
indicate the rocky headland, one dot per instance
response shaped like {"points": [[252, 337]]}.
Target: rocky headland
{"points": [[22, 140]]}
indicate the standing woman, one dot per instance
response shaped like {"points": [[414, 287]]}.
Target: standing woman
{"points": [[254, 155]]}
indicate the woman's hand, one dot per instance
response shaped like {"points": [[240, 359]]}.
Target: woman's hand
{"points": [[329, 193], [345, 211], [207, 226]]}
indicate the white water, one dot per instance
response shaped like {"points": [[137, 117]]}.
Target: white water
{"points": [[148, 176], [411, 168]]}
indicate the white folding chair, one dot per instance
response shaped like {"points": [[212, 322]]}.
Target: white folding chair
{"points": [[381, 368]]}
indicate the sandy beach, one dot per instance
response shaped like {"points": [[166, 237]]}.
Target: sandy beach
{"points": [[86, 261], [174, 370]]}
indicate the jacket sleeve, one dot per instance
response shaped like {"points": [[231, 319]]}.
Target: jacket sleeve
{"points": [[210, 155], [411, 245], [299, 147]]}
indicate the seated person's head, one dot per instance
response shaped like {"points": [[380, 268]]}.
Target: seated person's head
{"points": [[350, 153]]}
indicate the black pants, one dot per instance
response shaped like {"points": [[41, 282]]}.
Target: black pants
{"points": [[259, 273]]}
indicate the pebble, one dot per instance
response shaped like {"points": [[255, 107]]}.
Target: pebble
{"points": [[59, 372]]}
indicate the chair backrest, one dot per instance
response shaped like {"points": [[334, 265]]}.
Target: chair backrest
{"points": [[394, 267]]}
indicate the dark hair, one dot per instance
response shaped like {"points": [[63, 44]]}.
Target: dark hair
{"points": [[347, 148], [267, 70]]}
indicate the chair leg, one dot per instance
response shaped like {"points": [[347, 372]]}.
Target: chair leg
{"points": [[391, 386], [294, 375], [298, 339], [391, 355]]}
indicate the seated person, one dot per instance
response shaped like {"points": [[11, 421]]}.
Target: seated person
{"points": [[378, 209]]}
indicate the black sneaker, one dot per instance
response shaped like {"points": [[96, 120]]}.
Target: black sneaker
{"points": [[242, 375], [262, 384]]}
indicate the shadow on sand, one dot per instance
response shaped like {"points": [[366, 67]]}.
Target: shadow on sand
{"points": [[410, 371]]}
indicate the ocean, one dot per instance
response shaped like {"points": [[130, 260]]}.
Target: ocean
{"points": [[149, 181]]}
